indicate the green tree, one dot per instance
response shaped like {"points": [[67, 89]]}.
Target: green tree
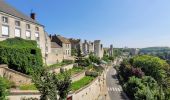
{"points": [[3, 89], [63, 85]]}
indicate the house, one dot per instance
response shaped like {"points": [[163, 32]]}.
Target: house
{"points": [[56, 54], [13, 23], [64, 43]]}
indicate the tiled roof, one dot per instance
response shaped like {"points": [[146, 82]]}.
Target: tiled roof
{"points": [[63, 39], [5, 8], [55, 45]]}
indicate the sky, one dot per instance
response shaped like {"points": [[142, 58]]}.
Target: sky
{"points": [[131, 23]]}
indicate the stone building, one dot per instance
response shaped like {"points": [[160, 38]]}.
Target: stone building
{"points": [[98, 49], [76, 44], [111, 50], [90, 47], [85, 48], [56, 54], [15, 24], [65, 45], [134, 51]]}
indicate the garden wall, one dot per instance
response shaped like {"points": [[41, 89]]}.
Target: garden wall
{"points": [[91, 91], [14, 76], [19, 94]]}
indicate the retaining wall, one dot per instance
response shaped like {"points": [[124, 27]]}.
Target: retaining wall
{"points": [[14, 76]]}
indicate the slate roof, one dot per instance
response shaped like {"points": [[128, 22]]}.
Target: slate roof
{"points": [[55, 45], [63, 39], [5, 8]]}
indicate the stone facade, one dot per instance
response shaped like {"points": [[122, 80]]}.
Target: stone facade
{"points": [[15, 24], [111, 50], [64, 43], [14, 76], [98, 49]]}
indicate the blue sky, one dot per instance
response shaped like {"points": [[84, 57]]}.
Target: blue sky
{"points": [[132, 23]]}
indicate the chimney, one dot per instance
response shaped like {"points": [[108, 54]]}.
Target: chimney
{"points": [[32, 15]]}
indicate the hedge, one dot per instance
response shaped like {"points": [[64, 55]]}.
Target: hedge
{"points": [[21, 55]]}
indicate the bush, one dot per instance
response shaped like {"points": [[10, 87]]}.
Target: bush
{"points": [[3, 88], [90, 73], [21, 55]]}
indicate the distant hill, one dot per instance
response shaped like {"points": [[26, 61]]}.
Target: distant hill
{"points": [[151, 50]]}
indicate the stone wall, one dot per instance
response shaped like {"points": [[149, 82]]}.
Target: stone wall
{"points": [[20, 94], [91, 91], [14, 76]]}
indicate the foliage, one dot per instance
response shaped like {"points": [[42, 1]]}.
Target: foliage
{"points": [[91, 73], [74, 52], [51, 85], [76, 70], [63, 85], [137, 72], [58, 65], [21, 55], [28, 87], [4, 86], [142, 89], [94, 59], [152, 66], [81, 83], [154, 86]]}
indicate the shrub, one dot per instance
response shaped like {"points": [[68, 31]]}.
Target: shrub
{"points": [[21, 55], [91, 73], [3, 88], [137, 72]]}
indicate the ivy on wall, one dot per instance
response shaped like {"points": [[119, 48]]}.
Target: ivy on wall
{"points": [[21, 55]]}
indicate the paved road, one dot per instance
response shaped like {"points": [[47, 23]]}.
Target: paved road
{"points": [[113, 87]]}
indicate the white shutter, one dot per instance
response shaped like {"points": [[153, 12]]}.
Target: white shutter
{"points": [[17, 32], [5, 30]]}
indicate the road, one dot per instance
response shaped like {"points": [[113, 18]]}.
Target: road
{"points": [[113, 86]]}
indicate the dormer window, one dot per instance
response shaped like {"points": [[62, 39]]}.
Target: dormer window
{"points": [[28, 26], [37, 28], [5, 19], [17, 23]]}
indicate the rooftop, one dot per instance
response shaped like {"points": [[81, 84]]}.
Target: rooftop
{"points": [[55, 45], [5, 8]]}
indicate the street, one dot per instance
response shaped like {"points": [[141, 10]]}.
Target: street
{"points": [[113, 86]]}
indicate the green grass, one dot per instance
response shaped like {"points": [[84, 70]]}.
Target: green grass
{"points": [[58, 65], [76, 70], [27, 87], [81, 83]]}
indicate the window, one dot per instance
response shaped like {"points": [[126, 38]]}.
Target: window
{"points": [[17, 32], [28, 26], [5, 19], [68, 52], [17, 23], [28, 35], [37, 35], [37, 28], [5, 30]]}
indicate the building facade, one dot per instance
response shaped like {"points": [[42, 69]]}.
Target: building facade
{"points": [[98, 49], [15, 24], [64, 43]]}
